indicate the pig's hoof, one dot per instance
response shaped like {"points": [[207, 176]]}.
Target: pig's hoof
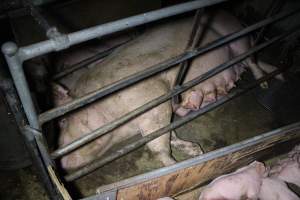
{"points": [[166, 160], [189, 148]]}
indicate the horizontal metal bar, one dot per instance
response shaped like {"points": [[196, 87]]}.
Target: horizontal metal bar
{"points": [[139, 179], [87, 61], [98, 163], [155, 102], [132, 79], [87, 169], [48, 46]]}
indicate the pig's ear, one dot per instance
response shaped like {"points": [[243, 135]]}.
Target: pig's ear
{"points": [[60, 94]]}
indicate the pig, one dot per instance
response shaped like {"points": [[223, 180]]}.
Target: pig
{"points": [[223, 23], [244, 183], [165, 198], [288, 169], [276, 189], [154, 46]]}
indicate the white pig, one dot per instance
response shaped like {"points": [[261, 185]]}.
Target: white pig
{"points": [[244, 183], [152, 47], [276, 189]]}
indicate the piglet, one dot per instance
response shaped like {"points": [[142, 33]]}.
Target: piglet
{"points": [[244, 183], [288, 169], [276, 189]]}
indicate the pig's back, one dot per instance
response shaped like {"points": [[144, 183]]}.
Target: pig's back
{"points": [[152, 47]]}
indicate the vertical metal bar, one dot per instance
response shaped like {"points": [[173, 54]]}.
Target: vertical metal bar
{"points": [[51, 31], [195, 36], [10, 51], [29, 139]]}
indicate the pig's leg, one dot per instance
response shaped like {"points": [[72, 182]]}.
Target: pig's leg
{"points": [[269, 68], [256, 71], [152, 121], [190, 148]]}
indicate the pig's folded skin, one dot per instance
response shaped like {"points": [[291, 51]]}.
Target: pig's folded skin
{"points": [[154, 46]]}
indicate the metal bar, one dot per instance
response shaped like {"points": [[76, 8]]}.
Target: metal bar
{"points": [[87, 61], [17, 111], [155, 102], [99, 163], [15, 66], [139, 180], [10, 51], [112, 27], [40, 164], [50, 31], [42, 22], [191, 45], [274, 7], [87, 169], [132, 79]]}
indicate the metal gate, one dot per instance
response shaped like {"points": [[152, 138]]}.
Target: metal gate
{"points": [[131, 188]]}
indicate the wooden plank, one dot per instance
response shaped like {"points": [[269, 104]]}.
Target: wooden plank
{"points": [[187, 178]]}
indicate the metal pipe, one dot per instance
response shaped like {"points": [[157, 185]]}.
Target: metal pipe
{"points": [[50, 31], [15, 66], [48, 46], [275, 6], [128, 148], [29, 140], [237, 92], [195, 38], [132, 79], [286, 133], [86, 62], [10, 51], [155, 102]]}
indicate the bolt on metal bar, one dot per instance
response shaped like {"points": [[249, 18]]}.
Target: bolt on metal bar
{"points": [[138, 111], [129, 148], [132, 79], [48, 46], [237, 92]]}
